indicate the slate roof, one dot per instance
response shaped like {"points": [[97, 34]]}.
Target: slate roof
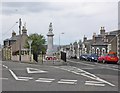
{"points": [[13, 38]]}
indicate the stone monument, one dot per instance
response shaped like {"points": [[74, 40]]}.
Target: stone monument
{"points": [[50, 41]]}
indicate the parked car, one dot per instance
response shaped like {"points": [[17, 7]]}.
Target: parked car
{"points": [[83, 57], [101, 58], [118, 62], [110, 58], [92, 57], [73, 57]]}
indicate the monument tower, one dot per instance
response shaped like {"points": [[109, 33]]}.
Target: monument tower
{"points": [[50, 41]]}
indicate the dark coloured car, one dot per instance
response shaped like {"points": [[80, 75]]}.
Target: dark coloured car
{"points": [[92, 57], [83, 57], [73, 57]]}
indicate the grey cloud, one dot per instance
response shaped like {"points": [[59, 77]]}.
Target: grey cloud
{"points": [[27, 7]]}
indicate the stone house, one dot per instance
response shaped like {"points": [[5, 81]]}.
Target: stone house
{"points": [[104, 42], [11, 45], [86, 45]]}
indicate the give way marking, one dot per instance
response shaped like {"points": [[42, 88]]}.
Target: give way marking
{"points": [[20, 78], [48, 80], [94, 83], [66, 81], [34, 70]]}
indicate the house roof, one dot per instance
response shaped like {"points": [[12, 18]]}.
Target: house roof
{"points": [[12, 38]]}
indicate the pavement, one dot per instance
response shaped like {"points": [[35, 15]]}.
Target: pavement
{"points": [[49, 63]]}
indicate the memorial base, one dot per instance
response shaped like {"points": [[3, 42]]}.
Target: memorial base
{"points": [[50, 58]]}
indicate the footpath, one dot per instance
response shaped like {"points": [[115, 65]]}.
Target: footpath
{"points": [[48, 63]]}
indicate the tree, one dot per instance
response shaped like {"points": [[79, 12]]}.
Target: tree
{"points": [[38, 44]]}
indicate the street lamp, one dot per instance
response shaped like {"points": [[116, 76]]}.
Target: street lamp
{"points": [[80, 47], [20, 24], [59, 40], [30, 42]]}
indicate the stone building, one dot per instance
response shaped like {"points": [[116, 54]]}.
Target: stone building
{"points": [[86, 45], [11, 45], [99, 44], [104, 42], [118, 43]]}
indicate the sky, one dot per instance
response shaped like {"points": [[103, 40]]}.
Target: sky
{"points": [[75, 19]]}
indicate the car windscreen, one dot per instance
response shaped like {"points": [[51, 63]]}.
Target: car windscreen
{"points": [[112, 55]]}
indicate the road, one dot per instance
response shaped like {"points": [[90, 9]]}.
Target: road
{"points": [[74, 76]]}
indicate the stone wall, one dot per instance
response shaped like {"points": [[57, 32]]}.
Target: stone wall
{"points": [[24, 58]]}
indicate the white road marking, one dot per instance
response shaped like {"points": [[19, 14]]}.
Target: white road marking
{"points": [[87, 68], [111, 68], [5, 66], [85, 74], [29, 70], [45, 80], [4, 78], [95, 84], [19, 78], [67, 81], [80, 63], [103, 66]]}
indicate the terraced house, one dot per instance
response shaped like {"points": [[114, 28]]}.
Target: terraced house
{"points": [[99, 44], [106, 42]]}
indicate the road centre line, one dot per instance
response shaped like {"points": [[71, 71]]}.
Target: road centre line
{"points": [[80, 63]]}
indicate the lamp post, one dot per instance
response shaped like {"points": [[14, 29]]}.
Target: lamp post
{"points": [[20, 24], [30, 42], [59, 40], [80, 47]]}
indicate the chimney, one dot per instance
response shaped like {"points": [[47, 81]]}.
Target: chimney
{"points": [[94, 35], [13, 34], [102, 31], [24, 30], [84, 39]]}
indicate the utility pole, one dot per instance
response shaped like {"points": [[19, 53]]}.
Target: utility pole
{"points": [[30, 42], [20, 23]]}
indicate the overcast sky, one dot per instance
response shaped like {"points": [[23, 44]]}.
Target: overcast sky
{"points": [[75, 19]]}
